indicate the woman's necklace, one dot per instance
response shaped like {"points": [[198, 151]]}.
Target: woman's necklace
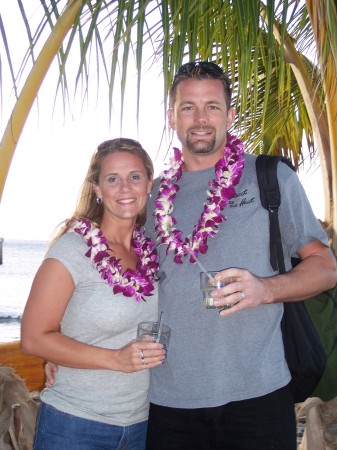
{"points": [[228, 172], [135, 283]]}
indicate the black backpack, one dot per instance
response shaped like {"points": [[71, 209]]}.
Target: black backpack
{"points": [[304, 351]]}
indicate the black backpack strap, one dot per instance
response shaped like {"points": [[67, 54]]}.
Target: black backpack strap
{"points": [[266, 171]]}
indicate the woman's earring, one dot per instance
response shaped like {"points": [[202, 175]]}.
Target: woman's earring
{"points": [[149, 196], [99, 201]]}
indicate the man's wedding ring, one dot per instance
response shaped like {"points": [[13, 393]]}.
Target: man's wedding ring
{"points": [[242, 295]]}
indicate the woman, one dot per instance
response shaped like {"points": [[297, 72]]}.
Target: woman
{"points": [[88, 296]]}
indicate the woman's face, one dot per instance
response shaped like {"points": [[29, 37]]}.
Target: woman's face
{"points": [[123, 185]]}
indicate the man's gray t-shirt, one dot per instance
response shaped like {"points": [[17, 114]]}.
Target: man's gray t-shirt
{"points": [[97, 317], [214, 360]]}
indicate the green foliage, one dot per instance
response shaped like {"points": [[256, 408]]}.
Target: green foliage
{"points": [[272, 116]]}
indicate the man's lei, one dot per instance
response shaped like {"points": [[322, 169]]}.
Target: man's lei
{"points": [[228, 172]]}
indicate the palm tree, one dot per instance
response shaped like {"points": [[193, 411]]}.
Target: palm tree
{"points": [[281, 56]]}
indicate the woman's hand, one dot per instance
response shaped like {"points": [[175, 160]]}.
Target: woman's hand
{"points": [[139, 355], [133, 357]]}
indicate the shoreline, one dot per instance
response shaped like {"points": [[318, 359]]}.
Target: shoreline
{"points": [[10, 329], [10, 319]]}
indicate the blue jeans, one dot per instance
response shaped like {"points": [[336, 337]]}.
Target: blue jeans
{"points": [[262, 423], [56, 430]]}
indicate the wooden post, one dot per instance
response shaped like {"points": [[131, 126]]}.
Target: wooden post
{"points": [[28, 367]]}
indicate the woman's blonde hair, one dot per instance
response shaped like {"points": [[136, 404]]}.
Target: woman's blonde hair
{"points": [[87, 206]]}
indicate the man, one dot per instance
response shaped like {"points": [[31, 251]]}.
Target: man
{"points": [[224, 382]]}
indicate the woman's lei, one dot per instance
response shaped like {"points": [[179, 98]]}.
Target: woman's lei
{"points": [[135, 283], [228, 172]]}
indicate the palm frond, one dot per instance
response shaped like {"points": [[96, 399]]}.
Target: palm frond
{"points": [[249, 39]]}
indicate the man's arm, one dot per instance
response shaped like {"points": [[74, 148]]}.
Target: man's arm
{"points": [[316, 273]]}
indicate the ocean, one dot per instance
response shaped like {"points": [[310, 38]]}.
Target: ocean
{"points": [[20, 261]]}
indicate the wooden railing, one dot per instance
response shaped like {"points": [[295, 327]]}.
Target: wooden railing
{"points": [[30, 368]]}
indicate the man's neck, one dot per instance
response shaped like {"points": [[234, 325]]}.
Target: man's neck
{"points": [[193, 162]]}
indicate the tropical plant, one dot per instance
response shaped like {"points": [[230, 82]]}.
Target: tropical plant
{"points": [[281, 55]]}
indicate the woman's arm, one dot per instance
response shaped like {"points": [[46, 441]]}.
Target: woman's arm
{"points": [[50, 294]]}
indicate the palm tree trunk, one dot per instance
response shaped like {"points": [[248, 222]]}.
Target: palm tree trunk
{"points": [[330, 87], [30, 90], [316, 114], [328, 64], [318, 121]]}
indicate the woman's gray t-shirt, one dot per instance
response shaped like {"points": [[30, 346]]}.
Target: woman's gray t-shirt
{"points": [[96, 316]]}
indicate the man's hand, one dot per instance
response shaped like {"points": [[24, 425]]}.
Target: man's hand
{"points": [[50, 369], [244, 289]]}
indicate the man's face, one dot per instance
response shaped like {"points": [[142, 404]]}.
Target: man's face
{"points": [[200, 116]]}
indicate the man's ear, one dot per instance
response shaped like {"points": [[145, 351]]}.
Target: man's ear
{"points": [[171, 119], [230, 117]]}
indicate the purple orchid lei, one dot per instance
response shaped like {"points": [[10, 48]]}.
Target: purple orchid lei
{"points": [[228, 172], [132, 283]]}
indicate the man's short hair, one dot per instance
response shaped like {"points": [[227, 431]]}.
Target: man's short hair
{"points": [[201, 70]]}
